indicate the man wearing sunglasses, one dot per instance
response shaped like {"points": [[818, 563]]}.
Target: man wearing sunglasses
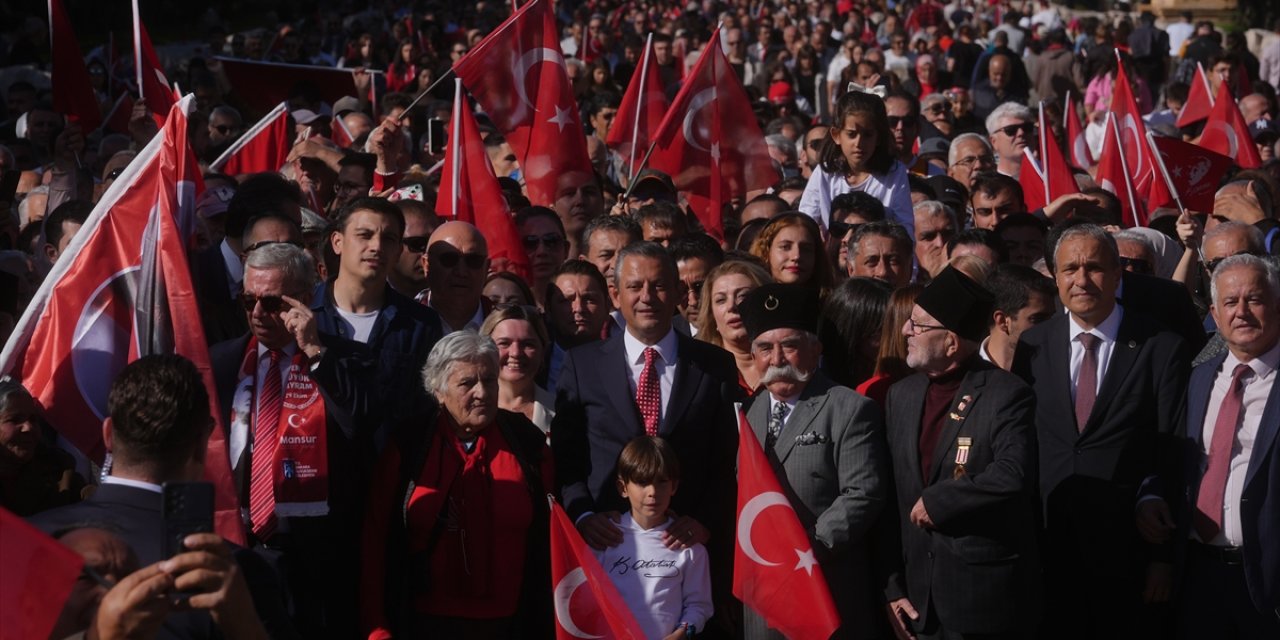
{"points": [[904, 123], [457, 261], [225, 125], [813, 139], [544, 243], [1011, 127], [409, 276]]}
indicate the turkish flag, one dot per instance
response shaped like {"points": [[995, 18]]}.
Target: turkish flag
{"points": [[1049, 178], [542, 124], [121, 113], [340, 133], [1199, 100], [469, 192], [596, 611], [37, 579], [120, 291], [1077, 145], [1138, 156], [775, 571], [263, 148], [153, 86], [640, 114], [1226, 132], [1194, 171], [1113, 175], [710, 143], [262, 85], [72, 93]]}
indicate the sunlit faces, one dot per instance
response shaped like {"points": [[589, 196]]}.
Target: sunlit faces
{"points": [[792, 255], [646, 295], [990, 209], [578, 307], [727, 292], [856, 138], [1087, 277], [471, 394], [882, 258], [1246, 310], [520, 350]]}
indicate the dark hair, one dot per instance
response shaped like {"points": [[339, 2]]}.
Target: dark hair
{"points": [[1013, 284], [1020, 220], [985, 237], [860, 203], [919, 184], [366, 161], [621, 224], [663, 215], [884, 229], [991, 183], [913, 103], [643, 249], [70, 211], [528, 213], [647, 460], [578, 267], [748, 233], [253, 222], [853, 314], [857, 102], [377, 205], [599, 101], [159, 410], [696, 245], [260, 193]]}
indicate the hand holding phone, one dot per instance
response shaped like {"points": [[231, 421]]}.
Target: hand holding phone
{"points": [[187, 509]]}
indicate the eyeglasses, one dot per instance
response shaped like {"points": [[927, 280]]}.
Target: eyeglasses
{"points": [[816, 143], [221, 128], [451, 259], [270, 304], [1027, 129], [906, 121], [551, 241], [1212, 265], [982, 160], [842, 229], [258, 245], [1136, 265], [941, 107], [917, 328], [416, 244]]}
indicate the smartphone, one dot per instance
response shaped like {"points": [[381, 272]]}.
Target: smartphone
{"points": [[187, 509], [435, 136]]}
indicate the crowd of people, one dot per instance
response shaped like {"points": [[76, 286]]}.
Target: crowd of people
{"points": [[991, 420]]}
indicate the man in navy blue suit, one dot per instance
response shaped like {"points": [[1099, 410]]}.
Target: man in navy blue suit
{"points": [[1232, 584]]}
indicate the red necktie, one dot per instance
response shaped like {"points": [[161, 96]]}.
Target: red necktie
{"points": [[649, 393], [1213, 487], [1087, 383], [262, 497]]}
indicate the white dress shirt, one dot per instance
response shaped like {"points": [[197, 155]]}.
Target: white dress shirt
{"points": [[240, 437], [1106, 331], [473, 324], [1257, 388], [136, 484], [665, 363]]}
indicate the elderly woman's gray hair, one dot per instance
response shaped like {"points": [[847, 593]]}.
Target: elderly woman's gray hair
{"points": [[298, 267], [459, 346]]}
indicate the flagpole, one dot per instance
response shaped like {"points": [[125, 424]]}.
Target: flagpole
{"points": [[1164, 172], [137, 50], [643, 162], [424, 93], [248, 136], [635, 130], [1124, 164], [1044, 155], [1205, 78], [456, 142]]}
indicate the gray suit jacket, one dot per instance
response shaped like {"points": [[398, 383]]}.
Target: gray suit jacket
{"points": [[833, 467]]}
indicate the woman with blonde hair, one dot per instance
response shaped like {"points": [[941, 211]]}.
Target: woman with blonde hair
{"points": [[791, 248], [723, 290], [522, 341]]}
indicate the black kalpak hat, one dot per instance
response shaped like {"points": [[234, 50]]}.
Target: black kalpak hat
{"points": [[780, 306], [959, 303]]}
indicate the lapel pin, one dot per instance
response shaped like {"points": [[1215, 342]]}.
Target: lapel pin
{"points": [[1133, 344]]}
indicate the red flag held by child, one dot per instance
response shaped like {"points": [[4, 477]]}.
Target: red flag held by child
{"points": [[586, 602], [775, 571]]}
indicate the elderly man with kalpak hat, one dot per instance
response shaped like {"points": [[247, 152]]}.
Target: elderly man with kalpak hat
{"points": [[961, 438], [825, 443]]}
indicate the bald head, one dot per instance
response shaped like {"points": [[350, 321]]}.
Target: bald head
{"points": [[456, 261], [1255, 107], [463, 236], [1241, 201], [998, 71]]}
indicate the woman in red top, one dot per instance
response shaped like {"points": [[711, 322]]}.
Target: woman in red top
{"points": [[455, 537], [403, 71], [891, 362]]}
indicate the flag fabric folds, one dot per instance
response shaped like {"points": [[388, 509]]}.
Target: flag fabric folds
{"points": [[1077, 145], [262, 85], [264, 147], [72, 92], [587, 605], [775, 571], [152, 83], [123, 290], [709, 142], [1137, 154], [1199, 100], [1194, 171], [1113, 175], [469, 191], [640, 113], [1226, 132], [37, 579], [518, 76], [1051, 177]]}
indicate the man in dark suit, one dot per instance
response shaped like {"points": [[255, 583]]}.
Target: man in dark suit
{"points": [[157, 432], [826, 446], [651, 380], [1109, 384], [962, 438], [319, 386], [1232, 584]]}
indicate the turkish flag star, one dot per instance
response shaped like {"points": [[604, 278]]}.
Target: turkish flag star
{"points": [[563, 118]]}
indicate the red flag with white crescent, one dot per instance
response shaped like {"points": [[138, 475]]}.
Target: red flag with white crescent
{"points": [[72, 92], [775, 571], [153, 86], [710, 143], [587, 604], [518, 76], [1077, 145], [641, 111], [263, 148], [1227, 134], [1138, 156], [122, 290], [1114, 176]]}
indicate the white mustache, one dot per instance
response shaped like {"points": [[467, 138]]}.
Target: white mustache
{"points": [[786, 373]]}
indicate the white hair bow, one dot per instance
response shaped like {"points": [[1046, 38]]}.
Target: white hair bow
{"points": [[877, 90]]}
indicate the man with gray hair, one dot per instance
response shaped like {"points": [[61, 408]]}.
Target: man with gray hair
{"points": [[293, 402], [1137, 253], [1233, 417], [824, 442], [969, 155], [935, 227], [1011, 127], [1109, 383], [880, 250]]}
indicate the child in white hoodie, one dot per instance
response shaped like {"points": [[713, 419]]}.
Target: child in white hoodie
{"points": [[668, 591]]}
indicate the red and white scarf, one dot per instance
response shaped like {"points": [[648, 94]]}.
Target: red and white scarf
{"points": [[301, 462]]}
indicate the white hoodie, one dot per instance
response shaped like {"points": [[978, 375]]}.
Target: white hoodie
{"points": [[663, 588]]}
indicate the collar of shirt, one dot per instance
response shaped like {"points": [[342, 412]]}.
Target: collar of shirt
{"points": [[288, 350], [982, 350], [666, 347], [136, 484], [1263, 366], [790, 402], [476, 320], [1108, 330], [235, 268]]}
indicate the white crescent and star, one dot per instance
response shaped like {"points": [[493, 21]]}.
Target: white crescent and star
{"points": [[1233, 143], [1130, 124], [297, 425], [563, 593], [526, 62], [702, 99], [747, 520], [1080, 149]]}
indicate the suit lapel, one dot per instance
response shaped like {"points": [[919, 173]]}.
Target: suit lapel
{"points": [[1198, 395], [807, 409], [966, 396], [1267, 433], [1123, 357], [613, 370], [684, 385], [912, 396], [758, 417], [1058, 352]]}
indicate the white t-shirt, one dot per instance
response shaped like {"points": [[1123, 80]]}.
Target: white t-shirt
{"points": [[358, 325], [663, 588], [890, 188]]}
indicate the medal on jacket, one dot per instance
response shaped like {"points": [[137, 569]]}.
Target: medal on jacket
{"points": [[962, 455]]}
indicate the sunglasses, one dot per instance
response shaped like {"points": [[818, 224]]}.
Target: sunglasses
{"points": [[841, 229], [816, 143], [258, 245], [1026, 128], [905, 121], [416, 244], [1136, 265], [940, 107], [270, 304], [551, 241], [1212, 265], [450, 259]]}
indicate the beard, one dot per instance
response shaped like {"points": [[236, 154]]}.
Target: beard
{"points": [[785, 373]]}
